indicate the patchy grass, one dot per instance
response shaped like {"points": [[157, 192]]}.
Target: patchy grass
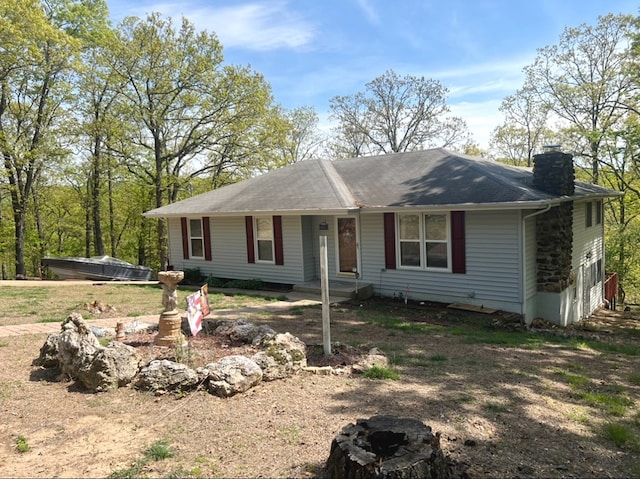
{"points": [[22, 445], [381, 372], [44, 303], [157, 451]]}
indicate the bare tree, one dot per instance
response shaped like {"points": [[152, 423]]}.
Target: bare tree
{"points": [[524, 127], [396, 114]]}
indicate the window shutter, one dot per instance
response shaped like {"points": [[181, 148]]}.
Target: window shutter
{"points": [[206, 237], [185, 238], [390, 240], [458, 248], [251, 254], [277, 239]]}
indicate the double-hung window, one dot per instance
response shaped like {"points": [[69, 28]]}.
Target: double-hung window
{"points": [[196, 238], [423, 240], [264, 238]]}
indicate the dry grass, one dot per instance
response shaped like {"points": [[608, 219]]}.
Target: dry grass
{"points": [[508, 404], [54, 300]]}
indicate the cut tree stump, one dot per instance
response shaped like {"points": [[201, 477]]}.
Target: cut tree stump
{"points": [[388, 447]]}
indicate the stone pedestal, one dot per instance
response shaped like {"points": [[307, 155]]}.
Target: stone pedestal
{"points": [[169, 325]]}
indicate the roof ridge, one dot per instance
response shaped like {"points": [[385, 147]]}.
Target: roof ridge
{"points": [[338, 185]]}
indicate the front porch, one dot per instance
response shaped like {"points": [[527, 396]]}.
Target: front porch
{"points": [[345, 289]]}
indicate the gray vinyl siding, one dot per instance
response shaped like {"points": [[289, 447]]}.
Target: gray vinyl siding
{"points": [[330, 233], [309, 254], [588, 242], [531, 280], [493, 262], [229, 251]]}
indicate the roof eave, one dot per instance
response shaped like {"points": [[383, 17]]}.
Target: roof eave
{"points": [[298, 212]]}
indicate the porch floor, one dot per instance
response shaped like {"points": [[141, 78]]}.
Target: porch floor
{"points": [[345, 289]]}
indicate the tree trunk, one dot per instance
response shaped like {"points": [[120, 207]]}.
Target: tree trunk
{"points": [[96, 193], [388, 447], [112, 220]]}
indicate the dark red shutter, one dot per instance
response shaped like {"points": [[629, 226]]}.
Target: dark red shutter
{"points": [[206, 237], [251, 254], [185, 238], [277, 239], [458, 248], [390, 240]]}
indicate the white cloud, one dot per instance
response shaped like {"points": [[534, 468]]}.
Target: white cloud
{"points": [[255, 26], [258, 26], [369, 11], [481, 118]]}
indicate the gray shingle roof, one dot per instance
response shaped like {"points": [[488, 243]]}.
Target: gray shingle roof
{"points": [[436, 177]]}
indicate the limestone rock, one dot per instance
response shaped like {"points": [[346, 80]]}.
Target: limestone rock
{"points": [[240, 331], [282, 355], [232, 375], [49, 353], [164, 375], [374, 358], [112, 367], [77, 346]]}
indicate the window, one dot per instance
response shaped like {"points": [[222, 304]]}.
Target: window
{"points": [[589, 214], [409, 238], [196, 239], [264, 238], [437, 240], [424, 241], [598, 206]]}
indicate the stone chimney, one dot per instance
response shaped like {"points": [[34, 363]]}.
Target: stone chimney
{"points": [[553, 173]]}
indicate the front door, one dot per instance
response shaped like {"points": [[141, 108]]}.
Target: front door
{"points": [[347, 246]]}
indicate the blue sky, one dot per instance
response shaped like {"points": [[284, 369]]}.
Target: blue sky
{"points": [[313, 50]]}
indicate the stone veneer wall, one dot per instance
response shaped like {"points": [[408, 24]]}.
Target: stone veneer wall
{"points": [[553, 172]]}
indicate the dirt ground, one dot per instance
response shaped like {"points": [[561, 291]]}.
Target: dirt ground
{"points": [[502, 410]]}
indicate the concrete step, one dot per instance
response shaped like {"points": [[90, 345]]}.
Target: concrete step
{"points": [[343, 289]]}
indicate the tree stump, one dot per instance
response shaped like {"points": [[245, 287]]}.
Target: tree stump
{"points": [[387, 447]]}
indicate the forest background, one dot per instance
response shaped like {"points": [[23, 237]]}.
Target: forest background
{"points": [[100, 123]]}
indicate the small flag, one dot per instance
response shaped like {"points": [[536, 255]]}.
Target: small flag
{"points": [[194, 312]]}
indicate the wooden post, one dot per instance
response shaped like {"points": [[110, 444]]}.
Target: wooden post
{"points": [[324, 286]]}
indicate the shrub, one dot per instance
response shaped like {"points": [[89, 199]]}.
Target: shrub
{"points": [[192, 276]]}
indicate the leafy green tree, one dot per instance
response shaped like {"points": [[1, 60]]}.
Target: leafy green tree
{"points": [[582, 81], [396, 114], [187, 114], [41, 41]]}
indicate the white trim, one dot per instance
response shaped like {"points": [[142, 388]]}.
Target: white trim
{"points": [[256, 239], [423, 242], [192, 237], [344, 274]]}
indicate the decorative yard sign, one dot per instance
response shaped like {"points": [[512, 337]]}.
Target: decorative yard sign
{"points": [[197, 309]]}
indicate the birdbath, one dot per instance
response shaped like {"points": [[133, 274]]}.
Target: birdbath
{"points": [[170, 323]]}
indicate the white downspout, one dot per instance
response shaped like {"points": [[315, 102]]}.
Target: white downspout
{"points": [[523, 299]]}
